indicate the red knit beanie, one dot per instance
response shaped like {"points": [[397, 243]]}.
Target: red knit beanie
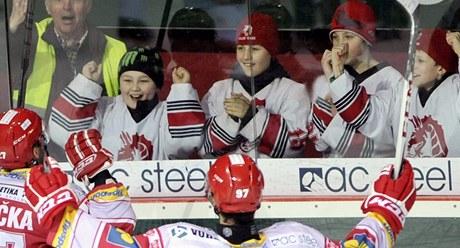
{"points": [[433, 42], [262, 30], [357, 17]]}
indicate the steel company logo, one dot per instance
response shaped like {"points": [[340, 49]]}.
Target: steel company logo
{"points": [[311, 179], [335, 179]]}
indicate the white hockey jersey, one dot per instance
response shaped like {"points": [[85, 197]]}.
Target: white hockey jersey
{"points": [[337, 138], [372, 231], [172, 129], [18, 222], [277, 130], [432, 130]]}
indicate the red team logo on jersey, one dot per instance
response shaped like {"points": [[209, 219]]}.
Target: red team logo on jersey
{"points": [[135, 146], [427, 139]]}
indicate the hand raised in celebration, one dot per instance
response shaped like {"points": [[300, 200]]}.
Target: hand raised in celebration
{"points": [[180, 75], [92, 71], [18, 14]]}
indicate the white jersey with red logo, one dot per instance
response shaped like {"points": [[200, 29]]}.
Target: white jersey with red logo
{"points": [[171, 130], [18, 222], [341, 139], [278, 129], [77, 229], [432, 130]]}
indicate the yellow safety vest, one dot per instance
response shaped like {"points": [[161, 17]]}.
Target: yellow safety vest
{"points": [[40, 80]]}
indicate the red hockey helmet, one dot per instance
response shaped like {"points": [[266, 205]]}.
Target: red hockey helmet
{"points": [[20, 129], [235, 184]]}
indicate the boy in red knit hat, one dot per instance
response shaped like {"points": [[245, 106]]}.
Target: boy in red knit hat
{"points": [[434, 112], [352, 34], [276, 127]]}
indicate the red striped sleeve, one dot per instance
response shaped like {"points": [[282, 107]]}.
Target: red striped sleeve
{"points": [[186, 118], [72, 112], [270, 135], [351, 112]]}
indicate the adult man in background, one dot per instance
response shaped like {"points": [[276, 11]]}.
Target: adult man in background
{"points": [[61, 44]]}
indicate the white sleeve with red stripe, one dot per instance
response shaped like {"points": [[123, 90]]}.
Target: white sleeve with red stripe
{"points": [[273, 134], [318, 121], [282, 134], [372, 115], [185, 121], [75, 108], [221, 135], [221, 132]]}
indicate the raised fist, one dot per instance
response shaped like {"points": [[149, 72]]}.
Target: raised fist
{"points": [[392, 198], [180, 75], [86, 155], [92, 71], [48, 193]]}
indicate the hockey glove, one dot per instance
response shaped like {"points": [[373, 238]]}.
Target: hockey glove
{"points": [[392, 198], [86, 155], [48, 193]]}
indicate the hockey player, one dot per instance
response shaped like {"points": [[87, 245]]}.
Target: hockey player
{"points": [[276, 127], [433, 117], [22, 147], [235, 186], [353, 25], [135, 125]]}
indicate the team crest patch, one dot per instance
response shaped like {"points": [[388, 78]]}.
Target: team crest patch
{"points": [[427, 139], [360, 241], [119, 238], [135, 146]]}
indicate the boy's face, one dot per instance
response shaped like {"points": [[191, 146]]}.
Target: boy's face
{"points": [[425, 70], [260, 62], [356, 47], [69, 16], [136, 86]]}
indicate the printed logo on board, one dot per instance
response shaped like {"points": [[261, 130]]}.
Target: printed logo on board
{"points": [[311, 179], [334, 179]]}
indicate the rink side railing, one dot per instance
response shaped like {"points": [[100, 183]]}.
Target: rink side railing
{"points": [[294, 188]]}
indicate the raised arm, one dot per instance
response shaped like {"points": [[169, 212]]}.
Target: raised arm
{"points": [[185, 117], [387, 207], [75, 108]]}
